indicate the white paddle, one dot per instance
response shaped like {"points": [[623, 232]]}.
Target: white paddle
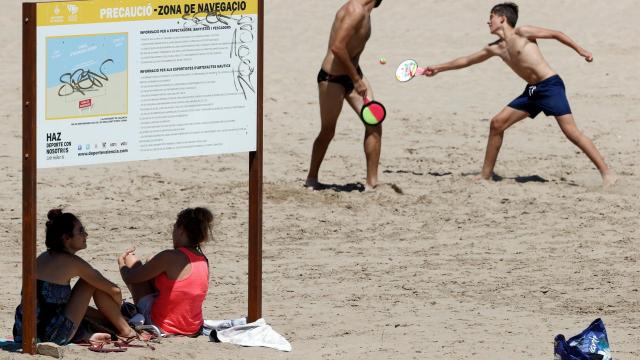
{"points": [[407, 70]]}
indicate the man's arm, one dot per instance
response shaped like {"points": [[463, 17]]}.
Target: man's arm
{"points": [[461, 62], [533, 32], [349, 24]]}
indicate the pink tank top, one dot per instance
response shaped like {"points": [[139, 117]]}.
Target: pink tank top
{"points": [[178, 307]]}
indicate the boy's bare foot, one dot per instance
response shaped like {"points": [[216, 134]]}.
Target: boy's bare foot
{"points": [[481, 177], [382, 187], [312, 183], [609, 178]]}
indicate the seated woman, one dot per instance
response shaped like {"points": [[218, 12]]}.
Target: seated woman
{"points": [[61, 309], [170, 288]]}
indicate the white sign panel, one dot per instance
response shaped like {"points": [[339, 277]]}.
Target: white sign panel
{"points": [[137, 80]]}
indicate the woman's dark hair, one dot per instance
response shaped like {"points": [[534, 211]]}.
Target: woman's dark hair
{"points": [[196, 223], [508, 10], [58, 225]]}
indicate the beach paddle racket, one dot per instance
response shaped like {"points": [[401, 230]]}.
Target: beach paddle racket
{"points": [[407, 70], [372, 112]]}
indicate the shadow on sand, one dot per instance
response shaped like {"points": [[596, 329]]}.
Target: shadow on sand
{"points": [[432, 173], [351, 187], [518, 179]]}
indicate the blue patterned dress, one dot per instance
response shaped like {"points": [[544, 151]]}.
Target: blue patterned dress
{"points": [[51, 323]]}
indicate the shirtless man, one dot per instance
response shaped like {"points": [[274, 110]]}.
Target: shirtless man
{"points": [[339, 79], [545, 91]]}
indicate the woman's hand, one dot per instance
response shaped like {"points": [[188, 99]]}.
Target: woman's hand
{"points": [[122, 258]]}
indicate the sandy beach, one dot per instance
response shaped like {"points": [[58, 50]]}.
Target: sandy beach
{"points": [[431, 265]]}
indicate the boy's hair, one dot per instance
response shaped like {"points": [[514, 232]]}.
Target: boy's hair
{"points": [[508, 10]]}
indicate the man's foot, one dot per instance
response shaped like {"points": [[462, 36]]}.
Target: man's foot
{"points": [[312, 183], [370, 188], [372, 181], [491, 177], [609, 178]]}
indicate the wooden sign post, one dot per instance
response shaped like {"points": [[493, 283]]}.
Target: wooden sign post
{"points": [[51, 99]]}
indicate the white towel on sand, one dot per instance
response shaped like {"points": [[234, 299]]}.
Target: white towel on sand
{"points": [[257, 333]]}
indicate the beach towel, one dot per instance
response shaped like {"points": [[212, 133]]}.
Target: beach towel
{"points": [[590, 344], [240, 332]]}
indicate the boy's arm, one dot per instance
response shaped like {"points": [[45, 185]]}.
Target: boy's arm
{"points": [[533, 32], [461, 62]]}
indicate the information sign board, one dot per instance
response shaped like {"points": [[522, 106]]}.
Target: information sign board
{"points": [[138, 80]]}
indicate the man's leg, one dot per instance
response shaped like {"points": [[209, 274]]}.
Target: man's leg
{"points": [[501, 122], [571, 131], [372, 137], [331, 97]]}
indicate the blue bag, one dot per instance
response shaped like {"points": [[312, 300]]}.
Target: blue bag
{"points": [[591, 344]]}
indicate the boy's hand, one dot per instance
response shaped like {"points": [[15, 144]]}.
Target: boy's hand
{"points": [[429, 71], [586, 55]]}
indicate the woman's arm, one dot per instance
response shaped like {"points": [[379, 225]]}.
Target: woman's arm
{"points": [[94, 278], [145, 272]]}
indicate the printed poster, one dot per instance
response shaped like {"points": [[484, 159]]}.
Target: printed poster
{"points": [[138, 80]]}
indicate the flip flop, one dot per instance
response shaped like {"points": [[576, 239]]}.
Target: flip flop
{"points": [[126, 342], [101, 349]]}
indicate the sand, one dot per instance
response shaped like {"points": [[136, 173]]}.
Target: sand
{"points": [[432, 265]]}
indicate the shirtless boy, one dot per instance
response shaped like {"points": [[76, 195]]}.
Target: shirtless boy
{"points": [[339, 79], [545, 91]]}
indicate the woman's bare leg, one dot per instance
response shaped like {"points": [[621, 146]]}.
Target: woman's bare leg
{"points": [[138, 290], [76, 308], [111, 310]]}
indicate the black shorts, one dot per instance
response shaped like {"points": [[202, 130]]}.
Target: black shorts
{"points": [[343, 80]]}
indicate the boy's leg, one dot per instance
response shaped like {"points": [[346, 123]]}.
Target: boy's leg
{"points": [[571, 131], [331, 97], [502, 121], [372, 137]]}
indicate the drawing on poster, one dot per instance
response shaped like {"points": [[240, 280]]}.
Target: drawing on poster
{"points": [[86, 76], [242, 42]]}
